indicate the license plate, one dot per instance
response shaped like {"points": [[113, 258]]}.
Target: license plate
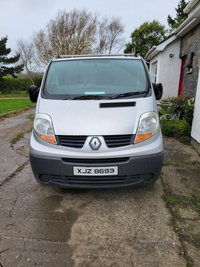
{"points": [[98, 171]]}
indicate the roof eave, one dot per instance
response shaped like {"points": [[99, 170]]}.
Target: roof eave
{"points": [[149, 52], [159, 48], [186, 26], [190, 6]]}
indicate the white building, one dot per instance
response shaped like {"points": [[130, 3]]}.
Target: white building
{"points": [[175, 63], [165, 65]]}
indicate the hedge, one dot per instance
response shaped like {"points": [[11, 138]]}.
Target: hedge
{"points": [[13, 85]]}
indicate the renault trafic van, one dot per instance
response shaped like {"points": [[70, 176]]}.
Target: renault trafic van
{"points": [[96, 123]]}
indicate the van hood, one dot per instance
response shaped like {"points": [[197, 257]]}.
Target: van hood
{"points": [[87, 117]]}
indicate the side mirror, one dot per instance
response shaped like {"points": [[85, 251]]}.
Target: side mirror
{"points": [[33, 93], [158, 90]]}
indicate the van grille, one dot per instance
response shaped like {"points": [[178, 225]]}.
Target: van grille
{"points": [[75, 141], [112, 141], [118, 140]]}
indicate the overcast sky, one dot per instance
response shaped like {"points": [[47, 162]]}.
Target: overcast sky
{"points": [[21, 18]]}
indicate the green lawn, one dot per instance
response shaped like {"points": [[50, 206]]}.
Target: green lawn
{"points": [[13, 95], [7, 105]]}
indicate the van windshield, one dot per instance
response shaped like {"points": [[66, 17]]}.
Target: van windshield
{"points": [[95, 78]]}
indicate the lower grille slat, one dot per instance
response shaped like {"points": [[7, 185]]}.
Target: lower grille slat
{"points": [[94, 182], [97, 181], [95, 161]]}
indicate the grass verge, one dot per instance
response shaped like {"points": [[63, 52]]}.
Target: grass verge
{"points": [[13, 174], [18, 137], [9, 105], [172, 163], [31, 117], [13, 95]]}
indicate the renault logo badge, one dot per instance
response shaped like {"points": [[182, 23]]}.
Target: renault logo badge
{"points": [[95, 143]]}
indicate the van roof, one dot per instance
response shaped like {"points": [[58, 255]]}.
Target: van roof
{"points": [[92, 56]]}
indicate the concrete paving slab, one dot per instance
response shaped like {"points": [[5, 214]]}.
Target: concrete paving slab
{"points": [[10, 158], [178, 152], [182, 184]]}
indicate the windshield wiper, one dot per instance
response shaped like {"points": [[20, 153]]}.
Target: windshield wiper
{"points": [[86, 97], [115, 96], [99, 97]]}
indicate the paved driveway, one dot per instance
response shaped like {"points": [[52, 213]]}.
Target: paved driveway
{"points": [[49, 226]]}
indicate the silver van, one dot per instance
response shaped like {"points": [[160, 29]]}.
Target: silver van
{"points": [[96, 123]]}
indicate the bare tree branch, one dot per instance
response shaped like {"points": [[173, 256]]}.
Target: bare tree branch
{"points": [[77, 32], [69, 33], [116, 29], [27, 52], [109, 37]]}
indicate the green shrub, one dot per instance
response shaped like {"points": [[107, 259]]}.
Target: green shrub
{"points": [[189, 111], [173, 126], [15, 85], [183, 139], [37, 80], [164, 110], [166, 127], [185, 105]]}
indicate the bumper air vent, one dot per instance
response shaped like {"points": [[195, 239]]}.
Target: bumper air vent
{"points": [[95, 161], [94, 182]]}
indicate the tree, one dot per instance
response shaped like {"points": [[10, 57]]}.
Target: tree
{"points": [[109, 36], [145, 37], [180, 16], [70, 33], [27, 52], [76, 33], [5, 69]]}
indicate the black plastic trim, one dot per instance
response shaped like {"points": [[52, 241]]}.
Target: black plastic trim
{"points": [[117, 105], [136, 171], [95, 161]]}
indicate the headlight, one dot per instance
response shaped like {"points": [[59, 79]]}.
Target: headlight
{"points": [[148, 125], [44, 128]]}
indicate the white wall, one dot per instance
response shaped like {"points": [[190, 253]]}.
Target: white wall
{"points": [[169, 69], [156, 59], [196, 120]]}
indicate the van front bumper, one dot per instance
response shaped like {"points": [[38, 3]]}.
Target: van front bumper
{"points": [[132, 171]]}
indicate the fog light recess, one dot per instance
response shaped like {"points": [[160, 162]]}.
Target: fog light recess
{"points": [[147, 177], [44, 178]]}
